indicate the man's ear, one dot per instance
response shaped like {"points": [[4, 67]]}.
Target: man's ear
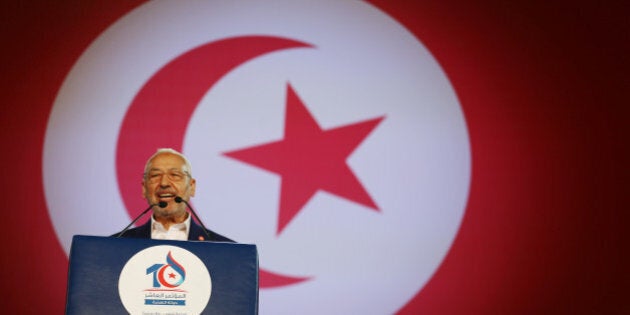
{"points": [[144, 191], [193, 185]]}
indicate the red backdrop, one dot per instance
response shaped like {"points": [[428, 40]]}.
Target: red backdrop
{"points": [[543, 88]]}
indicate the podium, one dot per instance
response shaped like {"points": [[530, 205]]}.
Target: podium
{"points": [[108, 275]]}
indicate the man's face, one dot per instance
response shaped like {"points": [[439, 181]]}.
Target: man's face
{"points": [[166, 178]]}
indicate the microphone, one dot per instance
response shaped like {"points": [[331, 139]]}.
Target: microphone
{"points": [[162, 204], [179, 199]]}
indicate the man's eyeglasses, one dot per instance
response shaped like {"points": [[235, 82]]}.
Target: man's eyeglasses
{"points": [[173, 176]]}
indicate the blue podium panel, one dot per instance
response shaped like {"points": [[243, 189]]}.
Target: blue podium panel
{"points": [[110, 275]]}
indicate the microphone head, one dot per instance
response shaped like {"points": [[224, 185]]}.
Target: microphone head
{"points": [[178, 199], [162, 204]]}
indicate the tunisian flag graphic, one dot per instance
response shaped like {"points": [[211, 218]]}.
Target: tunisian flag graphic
{"points": [[542, 88]]}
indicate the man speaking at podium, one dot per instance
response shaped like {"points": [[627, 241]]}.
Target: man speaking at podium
{"points": [[167, 185]]}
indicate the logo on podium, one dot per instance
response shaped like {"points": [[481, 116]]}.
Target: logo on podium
{"points": [[164, 279]]}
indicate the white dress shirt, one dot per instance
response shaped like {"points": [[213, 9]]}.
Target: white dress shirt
{"points": [[177, 232]]}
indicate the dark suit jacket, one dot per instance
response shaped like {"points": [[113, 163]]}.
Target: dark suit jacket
{"points": [[195, 234]]}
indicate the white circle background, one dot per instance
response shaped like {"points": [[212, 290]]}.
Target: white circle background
{"points": [[415, 164], [134, 281]]}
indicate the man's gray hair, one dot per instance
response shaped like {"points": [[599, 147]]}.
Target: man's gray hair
{"points": [[167, 151]]}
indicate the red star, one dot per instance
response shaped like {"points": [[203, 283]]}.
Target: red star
{"points": [[310, 159], [171, 275]]}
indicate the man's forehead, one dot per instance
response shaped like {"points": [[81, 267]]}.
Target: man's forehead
{"points": [[152, 169], [167, 160]]}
